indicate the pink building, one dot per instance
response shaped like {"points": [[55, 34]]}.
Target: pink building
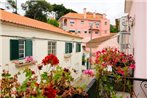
{"points": [[85, 24]]}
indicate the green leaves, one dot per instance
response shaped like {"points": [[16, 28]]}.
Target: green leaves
{"points": [[53, 22]]}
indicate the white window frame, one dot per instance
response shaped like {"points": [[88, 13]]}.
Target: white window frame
{"points": [[21, 49], [50, 47]]}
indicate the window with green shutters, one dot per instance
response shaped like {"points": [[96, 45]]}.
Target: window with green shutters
{"points": [[78, 47], [20, 49], [68, 47]]}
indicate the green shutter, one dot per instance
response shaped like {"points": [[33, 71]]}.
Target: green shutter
{"points": [[66, 47], [70, 47], [28, 48], [14, 50], [78, 47]]}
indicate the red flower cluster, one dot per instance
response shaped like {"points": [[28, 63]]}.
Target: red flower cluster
{"points": [[115, 58], [50, 59], [49, 92]]}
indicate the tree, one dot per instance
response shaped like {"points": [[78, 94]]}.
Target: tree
{"points": [[37, 9], [113, 29], [13, 5], [61, 10], [53, 22]]}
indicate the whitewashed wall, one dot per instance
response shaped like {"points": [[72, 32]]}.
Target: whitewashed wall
{"points": [[139, 32], [39, 47], [112, 42]]}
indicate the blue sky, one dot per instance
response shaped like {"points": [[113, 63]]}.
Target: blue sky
{"points": [[112, 8]]}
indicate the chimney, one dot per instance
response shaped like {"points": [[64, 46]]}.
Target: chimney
{"points": [[94, 14], [84, 12], [104, 15]]}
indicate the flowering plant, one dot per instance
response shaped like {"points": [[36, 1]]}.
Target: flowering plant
{"points": [[55, 83], [89, 72], [28, 59], [110, 61]]}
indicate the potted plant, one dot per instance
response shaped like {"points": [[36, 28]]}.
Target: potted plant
{"points": [[54, 82], [112, 62]]}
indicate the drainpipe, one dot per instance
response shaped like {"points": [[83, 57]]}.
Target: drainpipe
{"points": [[90, 47]]}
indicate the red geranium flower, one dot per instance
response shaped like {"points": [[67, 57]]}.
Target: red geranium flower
{"points": [[49, 92], [50, 59]]}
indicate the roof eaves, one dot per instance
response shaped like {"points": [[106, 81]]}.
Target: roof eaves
{"points": [[42, 29]]}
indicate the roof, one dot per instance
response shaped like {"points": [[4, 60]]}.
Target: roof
{"points": [[25, 21], [97, 41], [81, 16]]}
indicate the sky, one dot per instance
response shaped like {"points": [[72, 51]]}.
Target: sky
{"points": [[112, 8]]}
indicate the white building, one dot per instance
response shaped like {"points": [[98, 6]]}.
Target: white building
{"points": [[137, 11], [21, 36]]}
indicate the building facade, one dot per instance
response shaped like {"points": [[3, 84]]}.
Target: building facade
{"points": [[137, 28], [21, 36], [85, 24]]}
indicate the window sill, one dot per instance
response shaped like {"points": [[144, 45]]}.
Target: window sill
{"points": [[68, 55], [21, 64]]}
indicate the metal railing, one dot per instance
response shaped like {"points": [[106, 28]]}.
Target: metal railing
{"points": [[142, 83]]}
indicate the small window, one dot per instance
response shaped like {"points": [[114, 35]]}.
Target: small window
{"points": [[68, 48], [52, 47], [97, 32], [72, 22], [79, 31], [105, 23], [65, 22], [90, 23], [85, 31], [71, 30], [78, 47], [97, 24], [82, 22]]}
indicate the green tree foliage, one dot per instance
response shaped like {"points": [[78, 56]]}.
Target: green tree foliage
{"points": [[37, 9], [113, 29], [53, 22], [12, 4], [61, 10]]}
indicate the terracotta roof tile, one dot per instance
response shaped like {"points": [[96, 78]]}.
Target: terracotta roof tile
{"points": [[81, 16], [97, 41], [25, 21]]}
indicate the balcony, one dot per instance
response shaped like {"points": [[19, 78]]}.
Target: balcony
{"points": [[140, 92]]}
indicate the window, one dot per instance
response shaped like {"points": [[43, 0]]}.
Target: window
{"points": [[20, 49], [97, 32], [68, 47], [72, 22], [78, 47], [82, 22], [52, 47], [79, 31], [97, 24], [105, 23], [71, 30], [90, 23], [85, 31], [65, 22]]}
